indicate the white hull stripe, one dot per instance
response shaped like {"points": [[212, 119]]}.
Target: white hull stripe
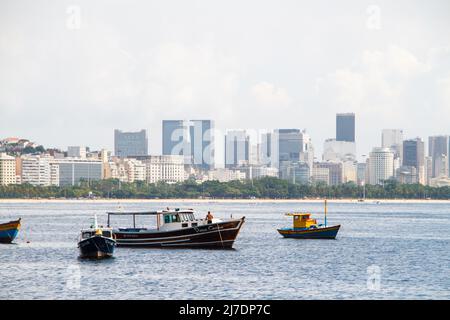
{"points": [[177, 244]]}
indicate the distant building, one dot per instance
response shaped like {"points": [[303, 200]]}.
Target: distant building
{"points": [[7, 170], [413, 156], [294, 146], [165, 168], [407, 175], [393, 139], [320, 175], [72, 171], [296, 172], [381, 165], [337, 151], [76, 152], [36, 170], [361, 173], [128, 144], [193, 139], [226, 175], [438, 150], [345, 127], [237, 149], [335, 172], [258, 171]]}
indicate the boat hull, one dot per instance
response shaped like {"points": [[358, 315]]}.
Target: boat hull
{"points": [[9, 231], [96, 247], [219, 235], [319, 233]]}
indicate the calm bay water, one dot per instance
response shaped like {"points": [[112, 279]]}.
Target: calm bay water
{"points": [[383, 251]]}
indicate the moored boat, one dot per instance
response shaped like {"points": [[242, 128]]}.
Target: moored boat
{"points": [[9, 231], [304, 227], [178, 229], [96, 242]]}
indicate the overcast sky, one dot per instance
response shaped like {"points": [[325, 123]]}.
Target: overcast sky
{"points": [[72, 71]]}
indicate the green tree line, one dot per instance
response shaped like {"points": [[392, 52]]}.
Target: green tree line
{"points": [[265, 188]]}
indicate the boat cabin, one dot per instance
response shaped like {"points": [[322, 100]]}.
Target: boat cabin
{"points": [[107, 233], [166, 220], [302, 220]]}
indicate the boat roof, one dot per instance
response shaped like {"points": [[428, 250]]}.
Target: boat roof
{"points": [[298, 214], [145, 213]]}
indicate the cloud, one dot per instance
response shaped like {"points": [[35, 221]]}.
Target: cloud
{"points": [[268, 95]]}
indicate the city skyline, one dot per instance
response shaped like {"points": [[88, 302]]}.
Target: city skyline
{"points": [[71, 73]]}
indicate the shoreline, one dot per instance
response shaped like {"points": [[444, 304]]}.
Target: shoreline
{"points": [[101, 200]]}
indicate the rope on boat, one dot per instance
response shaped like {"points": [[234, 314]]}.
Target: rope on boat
{"points": [[220, 234]]}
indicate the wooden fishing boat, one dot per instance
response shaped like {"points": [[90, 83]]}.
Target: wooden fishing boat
{"points": [[96, 242], [9, 231], [178, 229], [304, 227]]}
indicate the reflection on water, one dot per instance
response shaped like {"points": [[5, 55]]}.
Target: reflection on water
{"points": [[396, 251]]}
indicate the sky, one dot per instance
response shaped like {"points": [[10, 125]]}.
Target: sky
{"points": [[73, 71]]}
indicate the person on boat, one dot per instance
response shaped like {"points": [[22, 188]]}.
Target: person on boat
{"points": [[209, 217]]}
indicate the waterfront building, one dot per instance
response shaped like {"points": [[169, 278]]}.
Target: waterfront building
{"points": [[72, 171], [76, 152], [7, 170], [258, 171], [413, 156], [237, 148], [320, 175], [438, 150], [128, 144], [361, 173], [407, 175], [345, 127], [381, 165], [135, 170], [296, 172], [335, 172], [226, 175], [36, 170], [193, 139], [164, 168]]}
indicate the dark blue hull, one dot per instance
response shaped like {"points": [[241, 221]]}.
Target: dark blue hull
{"points": [[319, 233], [97, 247]]}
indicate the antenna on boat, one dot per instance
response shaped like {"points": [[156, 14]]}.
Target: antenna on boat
{"points": [[325, 212]]}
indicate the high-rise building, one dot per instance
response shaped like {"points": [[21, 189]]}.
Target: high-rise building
{"points": [[438, 150], [293, 145], [381, 165], [193, 139], [393, 139], [338, 151], [345, 127], [7, 170], [413, 156], [237, 148], [127, 144]]}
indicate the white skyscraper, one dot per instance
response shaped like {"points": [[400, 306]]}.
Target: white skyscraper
{"points": [[381, 165], [393, 139]]}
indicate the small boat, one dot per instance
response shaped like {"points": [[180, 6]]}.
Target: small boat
{"points": [[9, 231], [304, 227], [96, 242], [178, 229]]}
